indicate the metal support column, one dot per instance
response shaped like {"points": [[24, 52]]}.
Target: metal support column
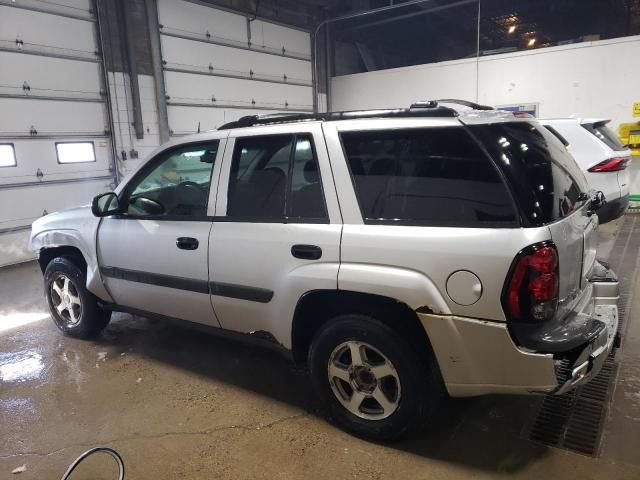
{"points": [[158, 74], [132, 70]]}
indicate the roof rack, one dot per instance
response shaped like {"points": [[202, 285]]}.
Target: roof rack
{"points": [[466, 103], [421, 109]]}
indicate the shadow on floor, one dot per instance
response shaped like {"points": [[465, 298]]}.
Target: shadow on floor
{"points": [[482, 432]]}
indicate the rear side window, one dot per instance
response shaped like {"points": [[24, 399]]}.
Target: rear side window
{"points": [[605, 135], [545, 177], [426, 177], [275, 178]]}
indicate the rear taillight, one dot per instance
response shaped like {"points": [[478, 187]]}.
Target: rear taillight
{"points": [[531, 291], [611, 165]]}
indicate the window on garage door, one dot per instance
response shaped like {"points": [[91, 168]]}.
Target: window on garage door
{"points": [[7, 155], [75, 152]]}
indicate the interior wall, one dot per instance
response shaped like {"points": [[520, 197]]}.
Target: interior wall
{"points": [[588, 79]]}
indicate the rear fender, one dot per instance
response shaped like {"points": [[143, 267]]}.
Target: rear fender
{"points": [[407, 286]]}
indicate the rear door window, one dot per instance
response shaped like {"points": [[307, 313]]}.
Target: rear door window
{"points": [[605, 135], [276, 178], [545, 177], [427, 177]]}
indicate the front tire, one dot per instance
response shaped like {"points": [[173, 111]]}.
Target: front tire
{"points": [[74, 309], [372, 382]]}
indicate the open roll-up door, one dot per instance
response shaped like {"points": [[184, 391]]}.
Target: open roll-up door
{"points": [[55, 145]]}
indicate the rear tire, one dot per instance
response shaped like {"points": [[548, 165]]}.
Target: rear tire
{"points": [[74, 309], [388, 391]]}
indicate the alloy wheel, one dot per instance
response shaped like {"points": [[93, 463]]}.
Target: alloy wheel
{"points": [[66, 300], [364, 380]]}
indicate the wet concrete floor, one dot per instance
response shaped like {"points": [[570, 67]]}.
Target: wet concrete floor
{"points": [[180, 404]]}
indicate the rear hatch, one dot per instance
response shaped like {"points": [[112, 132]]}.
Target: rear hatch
{"points": [[550, 190]]}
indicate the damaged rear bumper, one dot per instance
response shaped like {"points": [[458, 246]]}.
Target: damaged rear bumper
{"points": [[581, 365], [478, 357]]}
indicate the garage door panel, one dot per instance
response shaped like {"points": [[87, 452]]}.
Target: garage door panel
{"points": [[45, 29], [178, 52], [49, 76], [21, 206], [14, 247], [18, 115], [276, 36], [190, 17], [64, 6], [34, 155], [184, 87], [184, 120], [28, 203]]}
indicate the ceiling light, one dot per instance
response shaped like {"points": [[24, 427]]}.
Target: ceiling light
{"points": [[532, 42], [512, 29]]}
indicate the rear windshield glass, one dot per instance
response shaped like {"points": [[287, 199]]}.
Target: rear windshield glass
{"points": [[426, 177], [544, 176], [605, 134]]}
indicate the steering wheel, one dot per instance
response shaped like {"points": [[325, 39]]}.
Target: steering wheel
{"points": [[190, 194]]}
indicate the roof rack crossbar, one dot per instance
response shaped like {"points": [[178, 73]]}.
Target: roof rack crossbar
{"points": [[252, 120]]}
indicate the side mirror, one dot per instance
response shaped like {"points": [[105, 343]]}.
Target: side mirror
{"points": [[105, 204]]}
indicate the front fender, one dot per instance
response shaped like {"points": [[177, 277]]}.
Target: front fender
{"points": [[51, 232], [408, 286]]}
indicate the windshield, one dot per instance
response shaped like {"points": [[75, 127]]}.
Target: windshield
{"points": [[544, 177]]}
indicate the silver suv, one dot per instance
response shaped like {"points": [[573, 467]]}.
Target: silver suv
{"points": [[402, 254]]}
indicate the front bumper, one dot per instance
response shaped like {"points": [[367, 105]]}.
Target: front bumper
{"points": [[478, 357]]}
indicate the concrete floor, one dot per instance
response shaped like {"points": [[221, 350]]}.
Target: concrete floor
{"points": [[179, 404]]}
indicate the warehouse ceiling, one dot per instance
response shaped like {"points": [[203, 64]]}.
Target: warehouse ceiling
{"points": [[439, 30]]}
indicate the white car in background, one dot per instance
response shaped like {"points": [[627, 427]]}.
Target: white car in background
{"points": [[602, 157]]}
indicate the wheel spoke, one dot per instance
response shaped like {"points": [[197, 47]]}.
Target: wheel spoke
{"points": [[355, 401], [60, 307], [72, 315], [356, 353], [56, 288], [338, 372], [382, 399], [384, 370], [74, 300], [65, 288]]}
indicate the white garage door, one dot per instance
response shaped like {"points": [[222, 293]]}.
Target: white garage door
{"points": [[55, 150], [218, 66]]}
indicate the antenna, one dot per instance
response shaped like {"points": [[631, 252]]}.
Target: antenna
{"points": [[198, 127]]}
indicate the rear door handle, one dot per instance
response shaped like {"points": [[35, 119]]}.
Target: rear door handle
{"points": [[187, 243], [306, 252]]}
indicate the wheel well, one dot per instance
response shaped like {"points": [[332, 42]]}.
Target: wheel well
{"points": [[316, 308], [72, 253]]}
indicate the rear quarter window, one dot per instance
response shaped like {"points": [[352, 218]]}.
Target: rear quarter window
{"points": [[545, 178], [426, 177], [605, 135]]}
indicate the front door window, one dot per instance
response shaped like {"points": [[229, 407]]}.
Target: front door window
{"points": [[176, 185]]}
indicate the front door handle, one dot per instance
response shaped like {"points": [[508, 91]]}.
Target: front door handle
{"points": [[306, 252], [187, 243]]}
